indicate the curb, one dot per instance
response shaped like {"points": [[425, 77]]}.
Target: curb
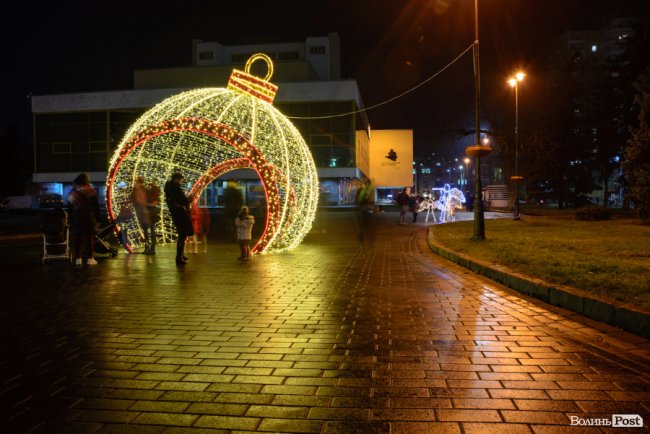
{"points": [[628, 319], [27, 236]]}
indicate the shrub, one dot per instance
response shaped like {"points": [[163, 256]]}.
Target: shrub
{"points": [[593, 212]]}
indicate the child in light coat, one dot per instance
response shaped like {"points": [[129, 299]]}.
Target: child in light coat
{"points": [[244, 223]]}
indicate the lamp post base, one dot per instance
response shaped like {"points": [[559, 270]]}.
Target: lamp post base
{"points": [[477, 152]]}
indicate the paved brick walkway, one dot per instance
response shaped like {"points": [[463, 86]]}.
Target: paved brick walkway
{"points": [[353, 332]]}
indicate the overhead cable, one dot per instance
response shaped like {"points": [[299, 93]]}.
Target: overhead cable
{"points": [[365, 109]]}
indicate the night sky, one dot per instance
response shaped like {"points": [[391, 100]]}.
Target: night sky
{"points": [[388, 46]]}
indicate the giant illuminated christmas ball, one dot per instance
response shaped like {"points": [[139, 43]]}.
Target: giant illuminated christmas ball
{"points": [[205, 133]]}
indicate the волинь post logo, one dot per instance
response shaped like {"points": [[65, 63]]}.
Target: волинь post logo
{"points": [[616, 421]]}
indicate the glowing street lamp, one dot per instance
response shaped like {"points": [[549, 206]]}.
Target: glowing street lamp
{"points": [[514, 82]]}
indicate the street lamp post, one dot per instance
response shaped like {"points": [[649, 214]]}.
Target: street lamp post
{"points": [[514, 82], [477, 150]]}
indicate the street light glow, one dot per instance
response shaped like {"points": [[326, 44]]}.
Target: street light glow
{"points": [[519, 76]]}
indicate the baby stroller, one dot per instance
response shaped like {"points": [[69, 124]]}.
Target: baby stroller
{"points": [[102, 246]]}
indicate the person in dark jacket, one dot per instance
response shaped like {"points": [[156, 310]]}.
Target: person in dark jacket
{"points": [[403, 202], [84, 216], [414, 206], [179, 208]]}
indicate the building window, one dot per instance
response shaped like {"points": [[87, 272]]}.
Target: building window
{"points": [[206, 55], [320, 49], [60, 148], [288, 55], [328, 138]]}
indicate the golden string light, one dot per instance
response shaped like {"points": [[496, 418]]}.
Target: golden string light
{"points": [[205, 133]]}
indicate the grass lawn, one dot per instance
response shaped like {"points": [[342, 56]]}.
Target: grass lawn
{"points": [[610, 259]]}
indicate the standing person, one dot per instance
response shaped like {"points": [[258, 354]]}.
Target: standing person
{"points": [[244, 223], [201, 224], [153, 197], [403, 202], [178, 205], [232, 207], [141, 205], [84, 216], [414, 206], [469, 202]]}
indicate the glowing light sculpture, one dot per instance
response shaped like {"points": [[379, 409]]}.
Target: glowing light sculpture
{"points": [[450, 200], [205, 133]]}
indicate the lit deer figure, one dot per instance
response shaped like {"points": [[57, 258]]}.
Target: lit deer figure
{"points": [[451, 200], [430, 206]]}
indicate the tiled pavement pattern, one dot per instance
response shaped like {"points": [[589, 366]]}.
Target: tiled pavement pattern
{"points": [[330, 338]]}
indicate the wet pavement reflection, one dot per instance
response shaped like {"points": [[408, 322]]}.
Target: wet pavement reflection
{"points": [[360, 329]]}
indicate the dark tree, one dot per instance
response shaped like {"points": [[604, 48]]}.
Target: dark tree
{"points": [[636, 161]]}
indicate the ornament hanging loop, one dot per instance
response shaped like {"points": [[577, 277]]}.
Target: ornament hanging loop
{"points": [[263, 57], [244, 81]]}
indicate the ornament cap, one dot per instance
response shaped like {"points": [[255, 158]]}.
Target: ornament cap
{"points": [[244, 81]]}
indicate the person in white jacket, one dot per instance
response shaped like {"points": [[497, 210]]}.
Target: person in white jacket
{"points": [[244, 223]]}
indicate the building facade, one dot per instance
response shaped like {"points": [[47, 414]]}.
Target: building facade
{"points": [[391, 164], [79, 132], [589, 48]]}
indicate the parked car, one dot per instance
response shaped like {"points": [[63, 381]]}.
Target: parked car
{"points": [[17, 202], [50, 201]]}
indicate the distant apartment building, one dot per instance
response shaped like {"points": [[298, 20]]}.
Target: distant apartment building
{"points": [[596, 47], [79, 132]]}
